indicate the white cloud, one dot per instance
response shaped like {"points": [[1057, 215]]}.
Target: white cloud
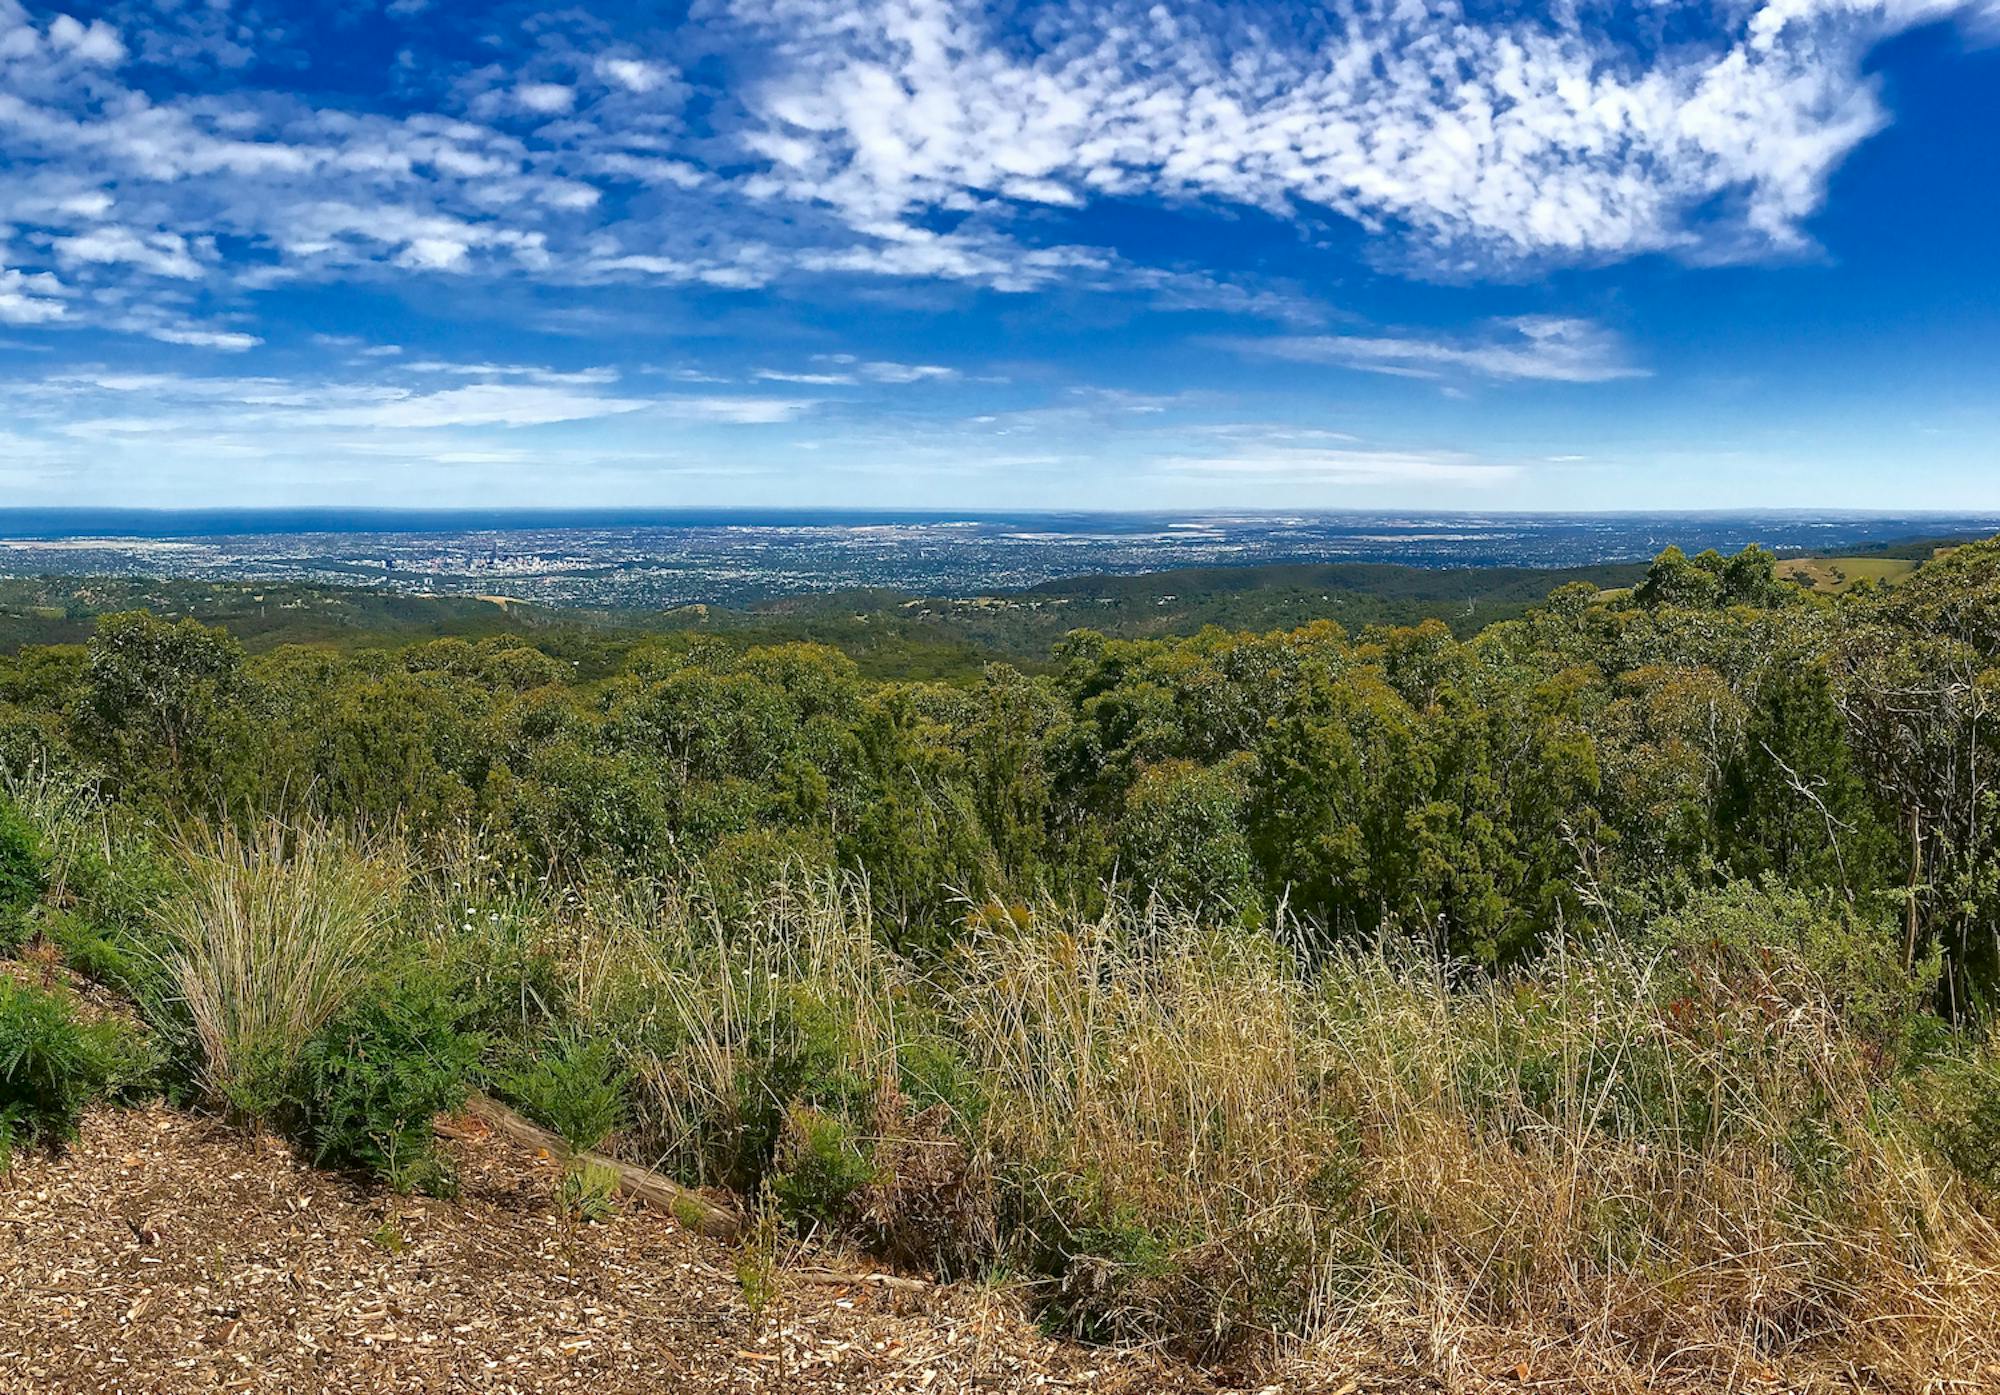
{"points": [[229, 341], [1480, 141], [846, 370], [548, 98], [483, 404], [433, 254], [736, 411], [29, 299], [633, 74], [1532, 347], [907, 372], [96, 42], [583, 377], [928, 140], [162, 254], [774, 375]]}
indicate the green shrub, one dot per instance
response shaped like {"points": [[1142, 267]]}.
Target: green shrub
{"points": [[368, 1085], [53, 1064], [588, 1193], [1182, 837], [801, 1050], [112, 956], [1745, 944], [820, 1165], [574, 1087], [1959, 1100], [121, 888]]}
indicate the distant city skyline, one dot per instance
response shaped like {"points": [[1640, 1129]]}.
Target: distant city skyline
{"points": [[934, 254]]}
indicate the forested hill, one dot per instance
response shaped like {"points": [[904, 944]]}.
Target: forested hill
{"points": [[1356, 594], [260, 614], [890, 633]]}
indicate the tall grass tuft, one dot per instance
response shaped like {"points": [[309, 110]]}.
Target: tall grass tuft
{"points": [[268, 932], [68, 813]]}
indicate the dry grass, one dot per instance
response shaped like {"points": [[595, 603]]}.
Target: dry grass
{"points": [[267, 935], [1624, 1167], [1228, 1148]]}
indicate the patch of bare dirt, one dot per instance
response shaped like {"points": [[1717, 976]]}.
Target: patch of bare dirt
{"points": [[164, 1253]]}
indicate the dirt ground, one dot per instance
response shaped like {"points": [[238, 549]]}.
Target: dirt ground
{"points": [[164, 1253]]}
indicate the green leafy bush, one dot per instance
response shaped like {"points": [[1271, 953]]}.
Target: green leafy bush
{"points": [[574, 1087], [1959, 1099], [1735, 949], [368, 1084], [53, 1064], [820, 1164]]}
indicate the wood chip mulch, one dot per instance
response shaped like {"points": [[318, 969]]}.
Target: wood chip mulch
{"points": [[163, 1253]]}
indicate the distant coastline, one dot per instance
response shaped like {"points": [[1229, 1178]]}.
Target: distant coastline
{"points": [[51, 524]]}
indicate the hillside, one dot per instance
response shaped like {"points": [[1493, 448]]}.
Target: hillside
{"points": [[164, 1252], [889, 633], [62, 610], [1598, 1000]]}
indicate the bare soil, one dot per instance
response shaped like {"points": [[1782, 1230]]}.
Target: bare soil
{"points": [[165, 1253]]}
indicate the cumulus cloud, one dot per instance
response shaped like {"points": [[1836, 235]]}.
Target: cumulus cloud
{"points": [[548, 98], [95, 42], [635, 74], [163, 254], [30, 300]]}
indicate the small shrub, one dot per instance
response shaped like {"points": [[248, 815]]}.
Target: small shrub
{"points": [[53, 1064], [588, 1193], [1745, 944], [757, 1259], [820, 1166], [369, 1084], [575, 1088], [1959, 1100], [122, 888], [111, 956]]}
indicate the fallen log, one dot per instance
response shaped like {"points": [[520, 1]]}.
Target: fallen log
{"points": [[840, 1278], [689, 1207]]}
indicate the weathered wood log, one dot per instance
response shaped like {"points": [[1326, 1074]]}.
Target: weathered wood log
{"points": [[690, 1208], [839, 1278]]}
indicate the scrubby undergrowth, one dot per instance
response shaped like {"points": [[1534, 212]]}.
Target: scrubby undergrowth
{"points": [[1736, 1134]]}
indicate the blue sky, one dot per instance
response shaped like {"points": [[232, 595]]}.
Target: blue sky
{"points": [[936, 253]]}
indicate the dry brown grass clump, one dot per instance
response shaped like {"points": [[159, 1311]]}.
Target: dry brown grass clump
{"points": [[268, 932], [1662, 1170]]}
